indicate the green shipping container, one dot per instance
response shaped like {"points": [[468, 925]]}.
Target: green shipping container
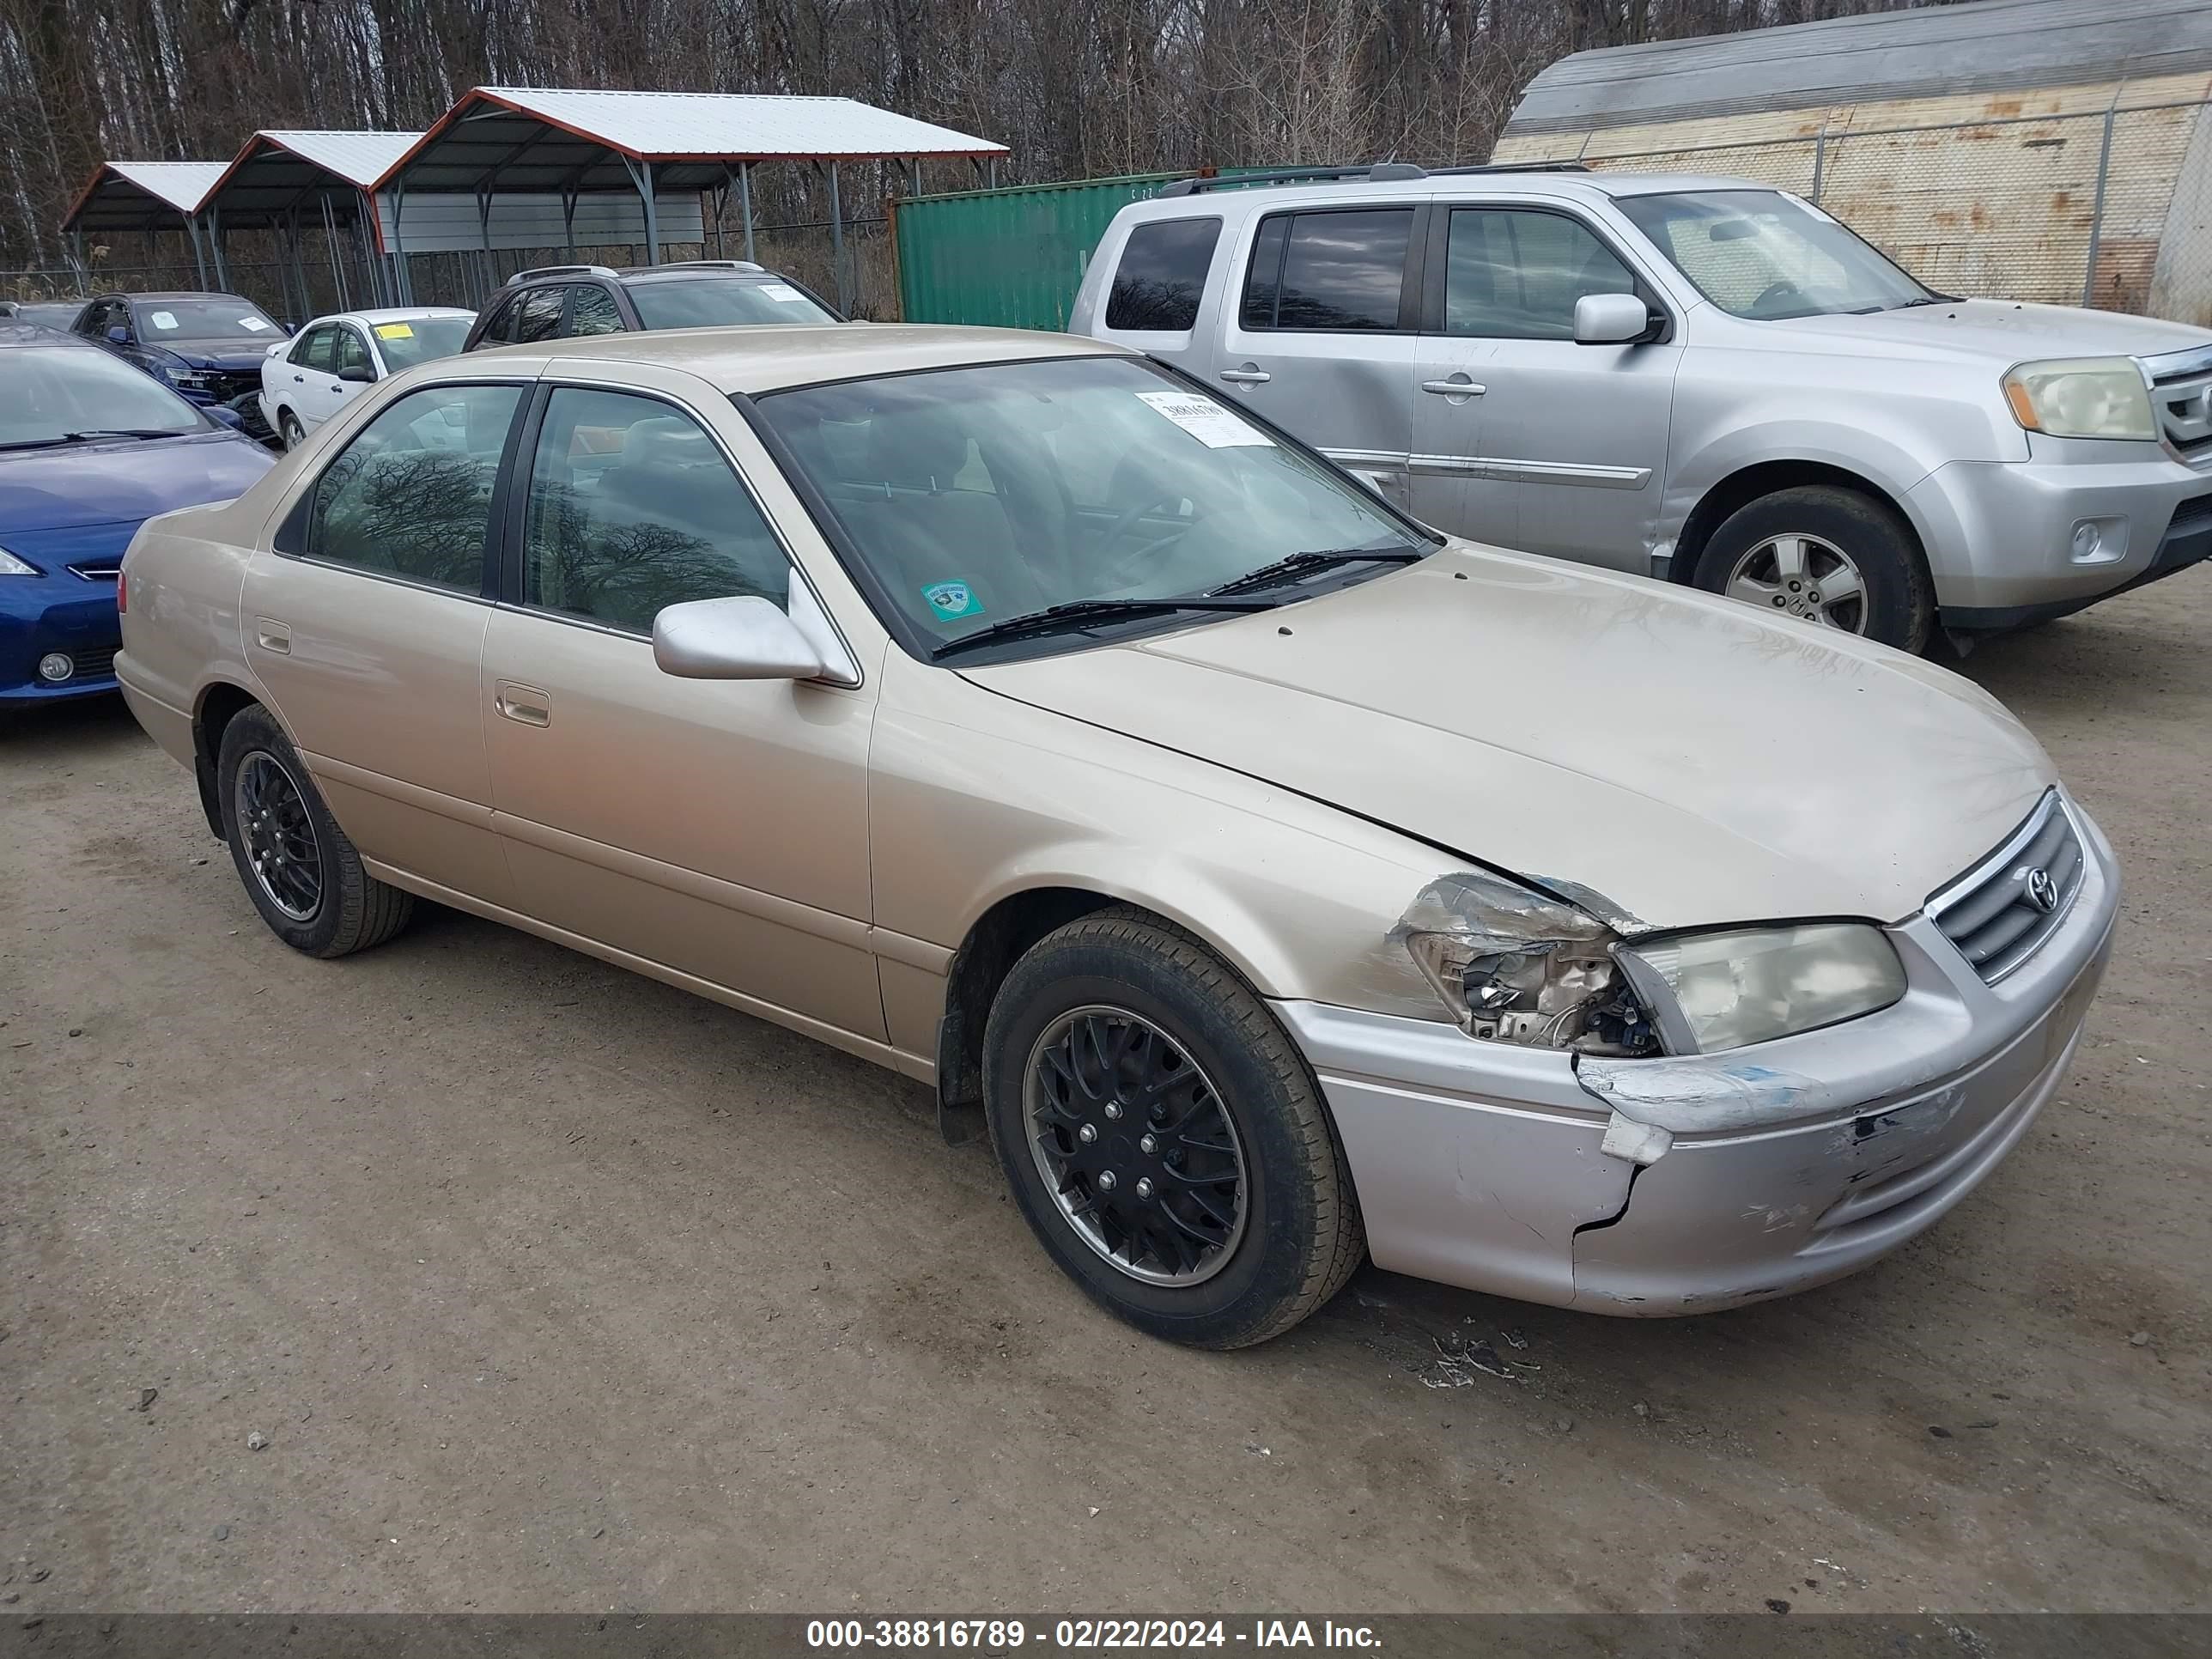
{"points": [[1012, 259]]}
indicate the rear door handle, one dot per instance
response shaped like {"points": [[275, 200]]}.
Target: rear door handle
{"points": [[524, 704], [273, 635], [1453, 388], [1247, 376]]}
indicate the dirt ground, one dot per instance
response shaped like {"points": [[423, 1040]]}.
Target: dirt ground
{"points": [[551, 1288]]}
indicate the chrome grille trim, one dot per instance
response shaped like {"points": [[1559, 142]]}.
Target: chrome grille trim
{"points": [[2181, 398], [1986, 912]]}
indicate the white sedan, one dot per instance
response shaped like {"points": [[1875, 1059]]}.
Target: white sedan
{"points": [[309, 378]]}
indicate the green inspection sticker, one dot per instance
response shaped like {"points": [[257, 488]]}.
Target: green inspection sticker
{"points": [[952, 600]]}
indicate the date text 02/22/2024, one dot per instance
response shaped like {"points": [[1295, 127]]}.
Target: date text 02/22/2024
{"points": [[1008, 1635]]}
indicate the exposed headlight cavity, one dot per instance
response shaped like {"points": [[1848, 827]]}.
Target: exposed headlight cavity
{"points": [[1515, 966], [2081, 398], [1717, 991]]}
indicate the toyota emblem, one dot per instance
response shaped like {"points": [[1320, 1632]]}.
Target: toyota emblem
{"points": [[2042, 891]]}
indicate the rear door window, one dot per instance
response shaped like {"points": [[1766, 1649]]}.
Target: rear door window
{"points": [[411, 495], [592, 310], [1162, 276], [1340, 272]]}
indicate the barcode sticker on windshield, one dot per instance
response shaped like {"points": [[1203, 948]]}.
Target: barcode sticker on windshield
{"points": [[1206, 420], [783, 291]]}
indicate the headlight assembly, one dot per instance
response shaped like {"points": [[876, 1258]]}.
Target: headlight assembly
{"points": [[1710, 992], [1515, 966], [12, 565], [2081, 398]]}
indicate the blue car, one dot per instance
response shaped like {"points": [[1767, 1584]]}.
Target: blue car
{"points": [[207, 346], [90, 447]]}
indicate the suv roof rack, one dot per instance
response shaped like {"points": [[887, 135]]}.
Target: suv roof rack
{"points": [[1378, 173], [536, 271], [705, 264]]}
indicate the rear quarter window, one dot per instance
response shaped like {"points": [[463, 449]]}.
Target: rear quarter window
{"points": [[1162, 276]]}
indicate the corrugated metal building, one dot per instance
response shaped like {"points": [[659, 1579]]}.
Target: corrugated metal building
{"points": [[2039, 150]]}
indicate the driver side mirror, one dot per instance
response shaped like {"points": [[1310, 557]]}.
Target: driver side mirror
{"points": [[359, 373], [118, 334], [1611, 319], [738, 638]]}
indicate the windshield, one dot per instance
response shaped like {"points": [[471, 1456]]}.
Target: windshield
{"points": [[53, 390], [1764, 255], [713, 302], [204, 319], [978, 495], [418, 339]]}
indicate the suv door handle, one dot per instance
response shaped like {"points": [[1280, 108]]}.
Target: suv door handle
{"points": [[1247, 376], [1455, 388], [524, 704]]}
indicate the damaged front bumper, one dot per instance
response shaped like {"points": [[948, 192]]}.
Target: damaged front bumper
{"points": [[1684, 1184]]}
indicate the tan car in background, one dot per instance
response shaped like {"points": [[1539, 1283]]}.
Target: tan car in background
{"points": [[1279, 882]]}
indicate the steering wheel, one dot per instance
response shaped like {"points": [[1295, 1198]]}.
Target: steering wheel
{"points": [[1779, 290], [1127, 521]]}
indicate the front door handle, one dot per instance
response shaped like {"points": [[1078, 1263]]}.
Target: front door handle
{"points": [[1458, 386], [524, 704], [1250, 374], [273, 635]]}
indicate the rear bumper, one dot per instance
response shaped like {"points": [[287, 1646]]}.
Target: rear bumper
{"points": [[2002, 536], [1776, 1168]]}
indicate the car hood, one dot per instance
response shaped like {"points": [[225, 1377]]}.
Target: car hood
{"points": [[1685, 759], [123, 481], [226, 354], [2007, 331]]}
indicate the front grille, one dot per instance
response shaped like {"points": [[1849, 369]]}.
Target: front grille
{"points": [[2007, 904], [2181, 397], [93, 663]]}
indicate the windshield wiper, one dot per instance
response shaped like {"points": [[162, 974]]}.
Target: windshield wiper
{"points": [[1301, 564], [1084, 613], [92, 433], [36, 443], [1928, 299]]}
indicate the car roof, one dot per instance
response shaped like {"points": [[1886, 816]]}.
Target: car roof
{"points": [[176, 293], [389, 314], [770, 356], [1534, 182], [13, 333]]}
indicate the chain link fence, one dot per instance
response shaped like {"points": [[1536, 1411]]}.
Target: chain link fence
{"points": [[2110, 208]]}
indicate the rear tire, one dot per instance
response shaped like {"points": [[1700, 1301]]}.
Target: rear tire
{"points": [[1213, 1206], [1826, 524], [302, 873]]}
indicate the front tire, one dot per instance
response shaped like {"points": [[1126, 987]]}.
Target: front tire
{"points": [[302, 873], [288, 427], [1827, 556], [1164, 1136]]}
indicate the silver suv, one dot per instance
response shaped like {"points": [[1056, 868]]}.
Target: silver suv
{"points": [[1700, 379]]}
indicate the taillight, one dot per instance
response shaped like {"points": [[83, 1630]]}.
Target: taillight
{"points": [[122, 593]]}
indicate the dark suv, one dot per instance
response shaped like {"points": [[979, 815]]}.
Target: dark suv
{"points": [[554, 302]]}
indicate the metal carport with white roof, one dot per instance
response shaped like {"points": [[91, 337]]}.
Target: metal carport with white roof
{"points": [[145, 197], [281, 177], [561, 146]]}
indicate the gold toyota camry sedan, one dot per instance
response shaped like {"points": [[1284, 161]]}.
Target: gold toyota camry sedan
{"points": [[1277, 882]]}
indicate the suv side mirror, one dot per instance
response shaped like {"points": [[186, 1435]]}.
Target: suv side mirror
{"points": [[738, 638], [1610, 319], [119, 336]]}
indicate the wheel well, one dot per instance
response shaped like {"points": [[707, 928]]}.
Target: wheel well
{"points": [[1740, 490], [219, 705], [978, 967]]}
